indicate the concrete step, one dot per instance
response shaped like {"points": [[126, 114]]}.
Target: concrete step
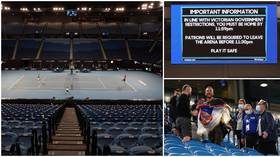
{"points": [[67, 129], [67, 153], [56, 134], [67, 138], [62, 131], [67, 142], [71, 147]]}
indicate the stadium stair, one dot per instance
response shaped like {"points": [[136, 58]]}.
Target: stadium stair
{"points": [[67, 139]]}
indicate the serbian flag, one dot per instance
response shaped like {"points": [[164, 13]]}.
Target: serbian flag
{"points": [[210, 115]]}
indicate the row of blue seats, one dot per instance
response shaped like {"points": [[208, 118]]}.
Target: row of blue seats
{"points": [[83, 28], [129, 130], [83, 49], [124, 124], [173, 146], [128, 141], [9, 138], [18, 122], [125, 136]]}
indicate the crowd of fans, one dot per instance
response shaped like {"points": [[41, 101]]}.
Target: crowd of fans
{"points": [[211, 119]]}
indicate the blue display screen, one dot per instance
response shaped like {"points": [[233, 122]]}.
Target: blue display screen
{"points": [[71, 12], [224, 34]]}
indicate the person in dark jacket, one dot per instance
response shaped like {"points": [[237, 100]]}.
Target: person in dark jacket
{"points": [[249, 134], [173, 104], [267, 130], [183, 120]]}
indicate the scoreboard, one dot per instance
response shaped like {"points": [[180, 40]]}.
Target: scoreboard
{"points": [[224, 34]]}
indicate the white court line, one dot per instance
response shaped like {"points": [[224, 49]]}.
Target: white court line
{"points": [[131, 86], [126, 82], [16, 82], [143, 83], [101, 82]]}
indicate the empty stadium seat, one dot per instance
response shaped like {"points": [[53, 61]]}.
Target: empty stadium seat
{"points": [[90, 28], [87, 49], [7, 48], [153, 141], [121, 124], [56, 49], [94, 124], [20, 129], [24, 141], [136, 124], [115, 49], [141, 150], [132, 130], [99, 130], [5, 128], [126, 140], [150, 130], [117, 150], [27, 123], [114, 131], [106, 125], [8, 139], [104, 139], [173, 146], [28, 48], [129, 29]]}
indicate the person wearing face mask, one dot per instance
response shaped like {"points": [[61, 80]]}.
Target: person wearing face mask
{"points": [[183, 120], [249, 127], [266, 130], [239, 121]]}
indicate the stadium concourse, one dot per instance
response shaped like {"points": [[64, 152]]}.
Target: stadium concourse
{"points": [[81, 78]]}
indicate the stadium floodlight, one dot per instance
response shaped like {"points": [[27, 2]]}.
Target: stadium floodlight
{"points": [[37, 9], [263, 85], [24, 9], [112, 62], [120, 9], [7, 8], [144, 6], [107, 9], [58, 9]]}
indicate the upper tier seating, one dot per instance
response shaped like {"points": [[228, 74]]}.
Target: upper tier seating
{"points": [[56, 49]]}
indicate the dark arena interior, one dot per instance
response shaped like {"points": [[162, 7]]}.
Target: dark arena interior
{"points": [[81, 78], [230, 91]]}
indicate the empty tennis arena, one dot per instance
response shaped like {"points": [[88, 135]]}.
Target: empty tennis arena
{"points": [[81, 78]]}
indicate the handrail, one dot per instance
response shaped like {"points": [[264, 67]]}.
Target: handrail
{"points": [[85, 127], [44, 138]]}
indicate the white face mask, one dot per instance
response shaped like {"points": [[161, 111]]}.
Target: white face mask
{"points": [[241, 106], [248, 111], [258, 109]]}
